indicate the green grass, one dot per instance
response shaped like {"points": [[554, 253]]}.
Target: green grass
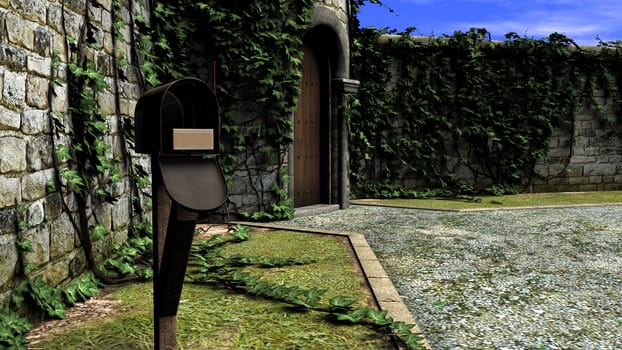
{"points": [[211, 317], [506, 201]]}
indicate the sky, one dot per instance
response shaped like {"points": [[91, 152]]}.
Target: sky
{"points": [[580, 20]]}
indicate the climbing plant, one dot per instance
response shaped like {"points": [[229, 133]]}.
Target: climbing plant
{"points": [[252, 50], [434, 109]]}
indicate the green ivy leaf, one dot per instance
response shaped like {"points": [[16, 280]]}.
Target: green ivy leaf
{"points": [[379, 317], [26, 246], [341, 302]]}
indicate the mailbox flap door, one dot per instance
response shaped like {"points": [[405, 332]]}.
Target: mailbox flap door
{"points": [[194, 183]]}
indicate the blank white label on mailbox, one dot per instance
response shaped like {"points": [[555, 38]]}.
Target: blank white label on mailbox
{"points": [[193, 139]]}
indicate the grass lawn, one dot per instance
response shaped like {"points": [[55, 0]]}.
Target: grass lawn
{"points": [[212, 317], [500, 202]]}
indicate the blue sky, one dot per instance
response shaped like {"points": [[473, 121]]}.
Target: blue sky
{"points": [[580, 20]]}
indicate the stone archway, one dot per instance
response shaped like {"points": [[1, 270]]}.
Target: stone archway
{"points": [[328, 40]]}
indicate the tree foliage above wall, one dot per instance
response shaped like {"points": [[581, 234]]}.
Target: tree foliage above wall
{"points": [[433, 107]]}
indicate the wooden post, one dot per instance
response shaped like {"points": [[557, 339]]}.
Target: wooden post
{"points": [[173, 233]]}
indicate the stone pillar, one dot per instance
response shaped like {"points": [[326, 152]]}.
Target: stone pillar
{"points": [[342, 86]]}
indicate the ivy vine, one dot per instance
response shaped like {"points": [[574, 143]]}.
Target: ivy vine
{"points": [[252, 51], [435, 109]]}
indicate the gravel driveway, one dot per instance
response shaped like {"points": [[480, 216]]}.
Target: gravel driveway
{"points": [[511, 279]]}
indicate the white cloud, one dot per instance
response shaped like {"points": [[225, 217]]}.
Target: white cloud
{"points": [[579, 20]]}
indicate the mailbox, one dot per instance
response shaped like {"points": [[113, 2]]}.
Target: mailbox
{"points": [[180, 117], [179, 123]]}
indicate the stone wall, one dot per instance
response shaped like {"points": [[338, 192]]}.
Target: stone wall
{"points": [[585, 157], [35, 204]]}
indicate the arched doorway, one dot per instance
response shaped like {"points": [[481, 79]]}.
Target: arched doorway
{"points": [[312, 132]]}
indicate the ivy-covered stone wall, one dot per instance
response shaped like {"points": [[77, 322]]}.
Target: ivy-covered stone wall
{"points": [[39, 214], [463, 114], [72, 190], [586, 156]]}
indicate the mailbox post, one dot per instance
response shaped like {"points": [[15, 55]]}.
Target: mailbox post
{"points": [[178, 124]]}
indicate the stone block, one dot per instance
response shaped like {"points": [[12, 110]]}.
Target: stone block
{"points": [[9, 119], [557, 181], [41, 66], [365, 253], [77, 5], [20, 31], [43, 39], [12, 57], [373, 269], [583, 159], [250, 200], [108, 46], [107, 103], [599, 169], [95, 13], [235, 200], [578, 180], [592, 151], [72, 20], [8, 222], [612, 152], [34, 185], [35, 121], [39, 153], [12, 154], [62, 236], [130, 90], [77, 265], [558, 152], [586, 187], [36, 213], [127, 107], [595, 179], [103, 213], [384, 290], [40, 240], [120, 188], [581, 142], [60, 100], [549, 170], [34, 10], [56, 271], [8, 258], [37, 92], [10, 192], [14, 89], [58, 49], [53, 204]]}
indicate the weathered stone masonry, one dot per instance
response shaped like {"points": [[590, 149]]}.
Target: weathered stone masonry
{"points": [[35, 120], [586, 157], [33, 35]]}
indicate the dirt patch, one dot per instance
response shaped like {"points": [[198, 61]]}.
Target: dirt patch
{"points": [[99, 307]]}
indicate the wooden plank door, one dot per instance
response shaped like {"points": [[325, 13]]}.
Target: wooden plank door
{"points": [[307, 135]]}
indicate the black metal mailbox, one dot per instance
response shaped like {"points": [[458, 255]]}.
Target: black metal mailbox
{"points": [[180, 117], [179, 125]]}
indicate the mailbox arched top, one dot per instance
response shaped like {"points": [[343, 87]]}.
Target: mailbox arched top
{"points": [[179, 117]]}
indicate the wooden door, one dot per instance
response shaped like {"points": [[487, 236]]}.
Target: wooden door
{"points": [[307, 135]]}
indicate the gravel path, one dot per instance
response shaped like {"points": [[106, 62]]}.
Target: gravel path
{"points": [[512, 279]]}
